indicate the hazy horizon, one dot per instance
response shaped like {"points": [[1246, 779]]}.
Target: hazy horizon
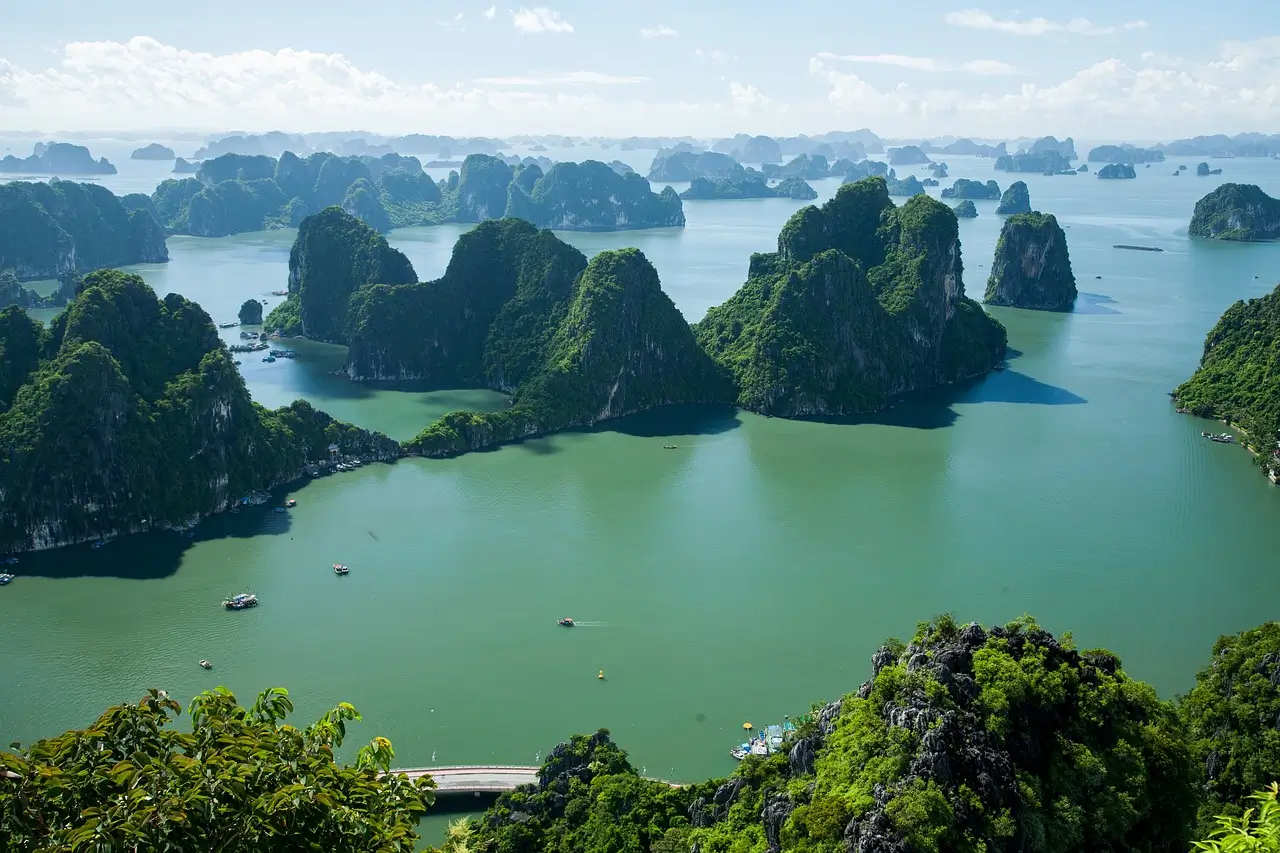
{"points": [[1138, 72]]}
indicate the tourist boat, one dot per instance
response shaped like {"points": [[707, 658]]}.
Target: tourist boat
{"points": [[291, 503], [227, 325], [339, 569], [1223, 437], [269, 359], [206, 664], [6, 578], [241, 601], [670, 446], [565, 622]]}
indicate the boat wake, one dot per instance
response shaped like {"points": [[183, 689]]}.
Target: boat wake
{"points": [[579, 624]]}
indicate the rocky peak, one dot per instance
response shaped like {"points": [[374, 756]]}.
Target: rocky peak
{"points": [[1032, 267]]}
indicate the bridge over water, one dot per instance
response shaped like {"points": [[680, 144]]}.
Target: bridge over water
{"points": [[478, 778]]}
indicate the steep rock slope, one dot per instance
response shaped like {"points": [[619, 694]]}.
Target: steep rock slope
{"points": [[1032, 267], [1236, 212], [137, 419], [862, 301]]}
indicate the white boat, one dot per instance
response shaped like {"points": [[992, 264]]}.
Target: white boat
{"points": [[241, 601], [6, 578], [206, 664]]}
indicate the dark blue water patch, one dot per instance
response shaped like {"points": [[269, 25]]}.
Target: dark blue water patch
{"points": [[1094, 303], [1010, 386]]}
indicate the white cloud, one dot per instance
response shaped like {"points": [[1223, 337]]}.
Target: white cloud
{"points": [[976, 19], [717, 56], [539, 19], [658, 32], [490, 12], [747, 96], [566, 78], [454, 24], [984, 67]]}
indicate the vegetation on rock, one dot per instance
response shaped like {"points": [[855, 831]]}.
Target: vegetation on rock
{"points": [[1032, 268], [1016, 199], [1125, 154], [750, 184], [907, 155], [1231, 717], [1043, 161], [241, 779], [965, 188], [966, 210], [334, 254], [251, 313], [1238, 379], [154, 151], [1236, 212], [903, 187], [56, 228], [1203, 170], [674, 166], [1117, 171], [964, 739], [862, 301], [134, 417]]}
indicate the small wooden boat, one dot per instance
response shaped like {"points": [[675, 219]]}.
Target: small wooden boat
{"points": [[241, 601], [206, 664], [291, 503], [6, 578], [670, 446], [339, 569], [566, 622]]}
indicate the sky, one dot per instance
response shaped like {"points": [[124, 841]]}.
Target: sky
{"points": [[1093, 70]]}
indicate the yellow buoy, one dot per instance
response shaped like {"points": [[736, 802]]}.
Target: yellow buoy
{"points": [[601, 675]]}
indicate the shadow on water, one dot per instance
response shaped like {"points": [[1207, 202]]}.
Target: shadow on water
{"points": [[1094, 303], [150, 556], [676, 420], [935, 408]]}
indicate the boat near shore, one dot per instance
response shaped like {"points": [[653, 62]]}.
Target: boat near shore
{"points": [[1220, 437], [771, 740], [241, 601], [1138, 248]]}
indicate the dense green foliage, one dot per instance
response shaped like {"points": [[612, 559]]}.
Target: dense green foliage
{"points": [[334, 254], [1233, 720], [1016, 199], [50, 229], [861, 302], [904, 187], [1236, 212], [134, 417], [966, 210], [907, 155], [1032, 267], [965, 188], [962, 740], [575, 345], [804, 167], [673, 166], [588, 196], [1256, 830], [1238, 379], [240, 780], [154, 151]]}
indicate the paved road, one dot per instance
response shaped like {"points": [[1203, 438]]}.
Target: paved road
{"points": [[475, 779]]}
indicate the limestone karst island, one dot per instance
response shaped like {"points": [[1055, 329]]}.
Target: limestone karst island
{"points": [[559, 429]]}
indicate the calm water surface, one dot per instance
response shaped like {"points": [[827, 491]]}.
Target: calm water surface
{"points": [[741, 577]]}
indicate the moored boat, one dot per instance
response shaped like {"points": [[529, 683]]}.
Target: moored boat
{"points": [[340, 569], [206, 664], [291, 503], [241, 601], [6, 578]]}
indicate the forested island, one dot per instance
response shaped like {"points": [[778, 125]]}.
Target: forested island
{"points": [[57, 228], [907, 155], [154, 151], [965, 188], [1016, 199], [1117, 171], [1236, 212], [1125, 154], [1047, 161], [234, 193], [965, 738], [128, 414], [1032, 267], [57, 158], [1238, 379], [966, 210], [750, 184]]}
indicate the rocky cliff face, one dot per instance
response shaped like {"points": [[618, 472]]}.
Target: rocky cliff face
{"points": [[964, 188], [863, 301], [52, 229], [1117, 171], [482, 188], [1032, 268], [334, 254], [1016, 199], [1236, 212], [57, 158], [140, 421], [673, 165]]}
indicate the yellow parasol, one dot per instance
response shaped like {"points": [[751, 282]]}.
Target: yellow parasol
{"points": [[748, 726]]}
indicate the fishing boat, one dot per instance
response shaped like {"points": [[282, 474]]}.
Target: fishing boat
{"points": [[339, 569], [280, 509], [241, 601], [1222, 437], [6, 578], [291, 503], [670, 446], [206, 664], [269, 359], [566, 622], [227, 325]]}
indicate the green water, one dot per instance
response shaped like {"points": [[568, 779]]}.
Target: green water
{"points": [[741, 577]]}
